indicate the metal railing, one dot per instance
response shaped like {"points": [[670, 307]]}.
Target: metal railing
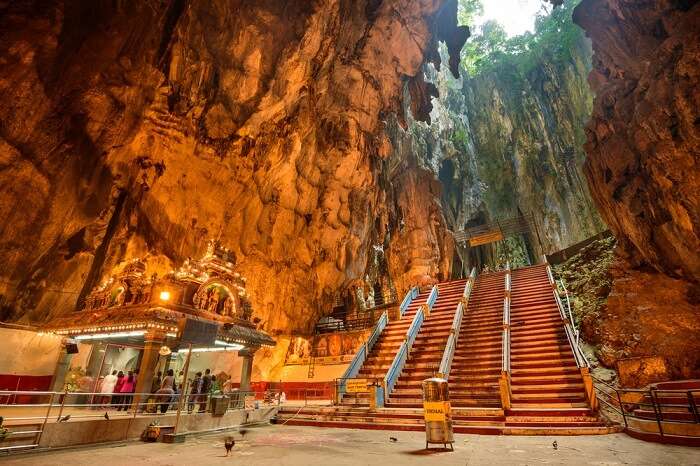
{"points": [[505, 337], [634, 407], [451, 345], [361, 355], [572, 333], [399, 361], [432, 297], [448, 354], [469, 286], [27, 420], [410, 296]]}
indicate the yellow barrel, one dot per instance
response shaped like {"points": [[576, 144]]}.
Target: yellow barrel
{"points": [[436, 409]]}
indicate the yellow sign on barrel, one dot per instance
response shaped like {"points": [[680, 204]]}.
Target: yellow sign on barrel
{"points": [[436, 410], [356, 385]]}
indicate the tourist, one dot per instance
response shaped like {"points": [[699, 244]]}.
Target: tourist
{"points": [[204, 392], [195, 390], [215, 385], [167, 389], [85, 385], [107, 387], [179, 385], [156, 383], [117, 399], [127, 391]]}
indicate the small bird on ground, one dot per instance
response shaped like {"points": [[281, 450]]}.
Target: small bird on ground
{"points": [[242, 432], [106, 416], [393, 439], [555, 445], [64, 418], [229, 443]]}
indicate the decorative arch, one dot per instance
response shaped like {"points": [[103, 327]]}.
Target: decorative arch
{"points": [[216, 295]]}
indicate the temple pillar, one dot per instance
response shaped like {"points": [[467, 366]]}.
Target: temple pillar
{"points": [[247, 369], [62, 367], [149, 360]]}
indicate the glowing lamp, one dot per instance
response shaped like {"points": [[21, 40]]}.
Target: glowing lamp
{"points": [[165, 295]]}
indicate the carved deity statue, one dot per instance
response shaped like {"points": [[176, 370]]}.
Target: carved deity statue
{"points": [[229, 306], [203, 300], [213, 300]]}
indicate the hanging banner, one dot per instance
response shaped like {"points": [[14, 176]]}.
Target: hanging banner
{"points": [[485, 238]]}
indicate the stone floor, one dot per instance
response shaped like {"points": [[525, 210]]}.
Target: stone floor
{"points": [[308, 446]]}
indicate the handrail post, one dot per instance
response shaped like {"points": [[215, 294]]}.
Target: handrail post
{"points": [[657, 414], [504, 380], [46, 419], [622, 407], [693, 405], [63, 402]]}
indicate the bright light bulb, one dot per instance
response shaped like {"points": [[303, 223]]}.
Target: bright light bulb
{"points": [[165, 296]]}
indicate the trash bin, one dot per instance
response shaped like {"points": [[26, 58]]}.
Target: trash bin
{"points": [[219, 405], [436, 409]]}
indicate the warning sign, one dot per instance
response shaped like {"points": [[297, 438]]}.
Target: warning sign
{"points": [[356, 385], [436, 410]]}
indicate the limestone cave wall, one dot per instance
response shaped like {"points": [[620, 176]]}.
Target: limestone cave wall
{"points": [[502, 144], [145, 128], [643, 147]]}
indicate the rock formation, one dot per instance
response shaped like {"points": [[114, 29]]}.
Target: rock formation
{"points": [[643, 154], [502, 144], [146, 128]]}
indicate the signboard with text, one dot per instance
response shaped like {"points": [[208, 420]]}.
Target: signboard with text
{"points": [[356, 386], [436, 410]]}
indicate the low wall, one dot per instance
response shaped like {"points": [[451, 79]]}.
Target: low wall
{"points": [[114, 430]]}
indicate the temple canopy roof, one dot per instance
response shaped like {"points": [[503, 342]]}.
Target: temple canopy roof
{"points": [[208, 289]]}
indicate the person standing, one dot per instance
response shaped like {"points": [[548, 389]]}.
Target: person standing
{"points": [[126, 391], [86, 384], [107, 387], [117, 399], [204, 393], [195, 390], [156, 383], [167, 389]]}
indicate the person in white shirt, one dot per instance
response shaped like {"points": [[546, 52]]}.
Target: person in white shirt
{"points": [[108, 387]]}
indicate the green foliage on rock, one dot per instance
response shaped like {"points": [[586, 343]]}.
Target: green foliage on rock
{"points": [[553, 41], [588, 279]]}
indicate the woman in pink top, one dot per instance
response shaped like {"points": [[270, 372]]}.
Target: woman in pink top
{"points": [[117, 399], [127, 389]]}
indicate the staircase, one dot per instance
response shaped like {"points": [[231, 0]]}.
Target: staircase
{"points": [[547, 387], [547, 391], [476, 365], [384, 350], [424, 359]]}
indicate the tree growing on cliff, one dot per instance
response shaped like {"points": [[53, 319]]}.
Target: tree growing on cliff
{"points": [[491, 50]]}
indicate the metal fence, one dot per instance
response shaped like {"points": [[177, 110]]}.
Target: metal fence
{"points": [[25, 414], [664, 407]]}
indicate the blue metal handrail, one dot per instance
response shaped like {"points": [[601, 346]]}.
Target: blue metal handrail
{"points": [[397, 364], [432, 297], [359, 359], [451, 345], [410, 296], [469, 286]]}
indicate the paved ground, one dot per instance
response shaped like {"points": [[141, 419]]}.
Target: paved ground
{"points": [[308, 446]]}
